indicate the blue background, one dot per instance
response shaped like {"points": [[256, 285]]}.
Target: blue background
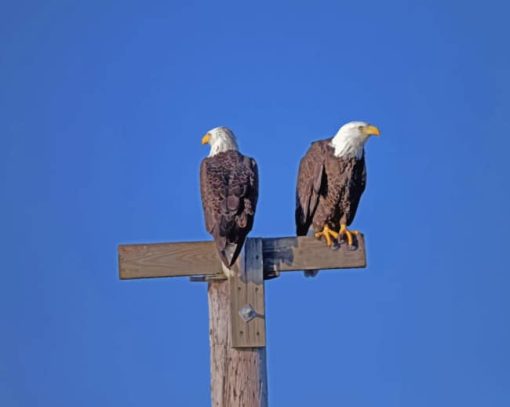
{"points": [[102, 108]]}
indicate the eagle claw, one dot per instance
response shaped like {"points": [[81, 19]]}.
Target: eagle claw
{"points": [[327, 233], [347, 233]]}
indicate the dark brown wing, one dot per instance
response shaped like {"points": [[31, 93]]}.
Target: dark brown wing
{"points": [[345, 179], [309, 183], [355, 179], [210, 201], [229, 188]]}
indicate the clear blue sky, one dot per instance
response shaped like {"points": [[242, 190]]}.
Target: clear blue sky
{"points": [[102, 108]]}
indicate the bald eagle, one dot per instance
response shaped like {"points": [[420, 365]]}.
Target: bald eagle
{"points": [[331, 180], [229, 190]]}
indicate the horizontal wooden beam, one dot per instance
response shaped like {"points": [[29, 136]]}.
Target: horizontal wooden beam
{"points": [[168, 260], [200, 258], [306, 253]]}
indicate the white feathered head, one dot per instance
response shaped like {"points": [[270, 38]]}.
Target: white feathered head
{"points": [[220, 139], [351, 138]]}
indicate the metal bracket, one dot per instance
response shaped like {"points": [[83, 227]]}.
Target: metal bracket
{"points": [[207, 278]]}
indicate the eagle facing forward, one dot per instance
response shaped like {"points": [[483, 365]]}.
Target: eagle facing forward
{"points": [[229, 189], [331, 180]]}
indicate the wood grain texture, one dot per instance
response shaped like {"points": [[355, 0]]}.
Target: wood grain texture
{"points": [[307, 253], [238, 376], [168, 260], [247, 290], [200, 258]]}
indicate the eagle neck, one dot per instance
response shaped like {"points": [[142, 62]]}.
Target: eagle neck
{"points": [[348, 147], [216, 151], [223, 146]]}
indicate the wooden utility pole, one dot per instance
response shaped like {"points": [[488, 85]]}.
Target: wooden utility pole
{"points": [[236, 306]]}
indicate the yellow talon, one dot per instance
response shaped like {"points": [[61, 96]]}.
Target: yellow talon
{"points": [[344, 231], [327, 233]]}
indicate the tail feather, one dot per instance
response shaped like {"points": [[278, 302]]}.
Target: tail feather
{"points": [[229, 252], [229, 256], [311, 273]]}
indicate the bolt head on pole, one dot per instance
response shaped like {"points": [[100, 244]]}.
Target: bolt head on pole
{"points": [[247, 313]]}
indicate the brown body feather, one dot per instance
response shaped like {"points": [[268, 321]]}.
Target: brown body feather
{"points": [[229, 189], [329, 188]]}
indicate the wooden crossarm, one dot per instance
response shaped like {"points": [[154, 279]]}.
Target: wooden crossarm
{"points": [[200, 258]]}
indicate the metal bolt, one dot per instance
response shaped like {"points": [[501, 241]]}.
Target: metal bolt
{"points": [[247, 313]]}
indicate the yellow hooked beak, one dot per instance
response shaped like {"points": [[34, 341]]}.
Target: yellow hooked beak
{"points": [[206, 138], [372, 130]]}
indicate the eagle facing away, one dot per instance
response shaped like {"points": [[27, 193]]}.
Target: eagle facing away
{"points": [[229, 190], [331, 180]]}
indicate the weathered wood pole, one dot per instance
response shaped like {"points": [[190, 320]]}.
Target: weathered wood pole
{"points": [[238, 376], [236, 306]]}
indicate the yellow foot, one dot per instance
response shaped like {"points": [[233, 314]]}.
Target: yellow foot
{"points": [[348, 233], [327, 233]]}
